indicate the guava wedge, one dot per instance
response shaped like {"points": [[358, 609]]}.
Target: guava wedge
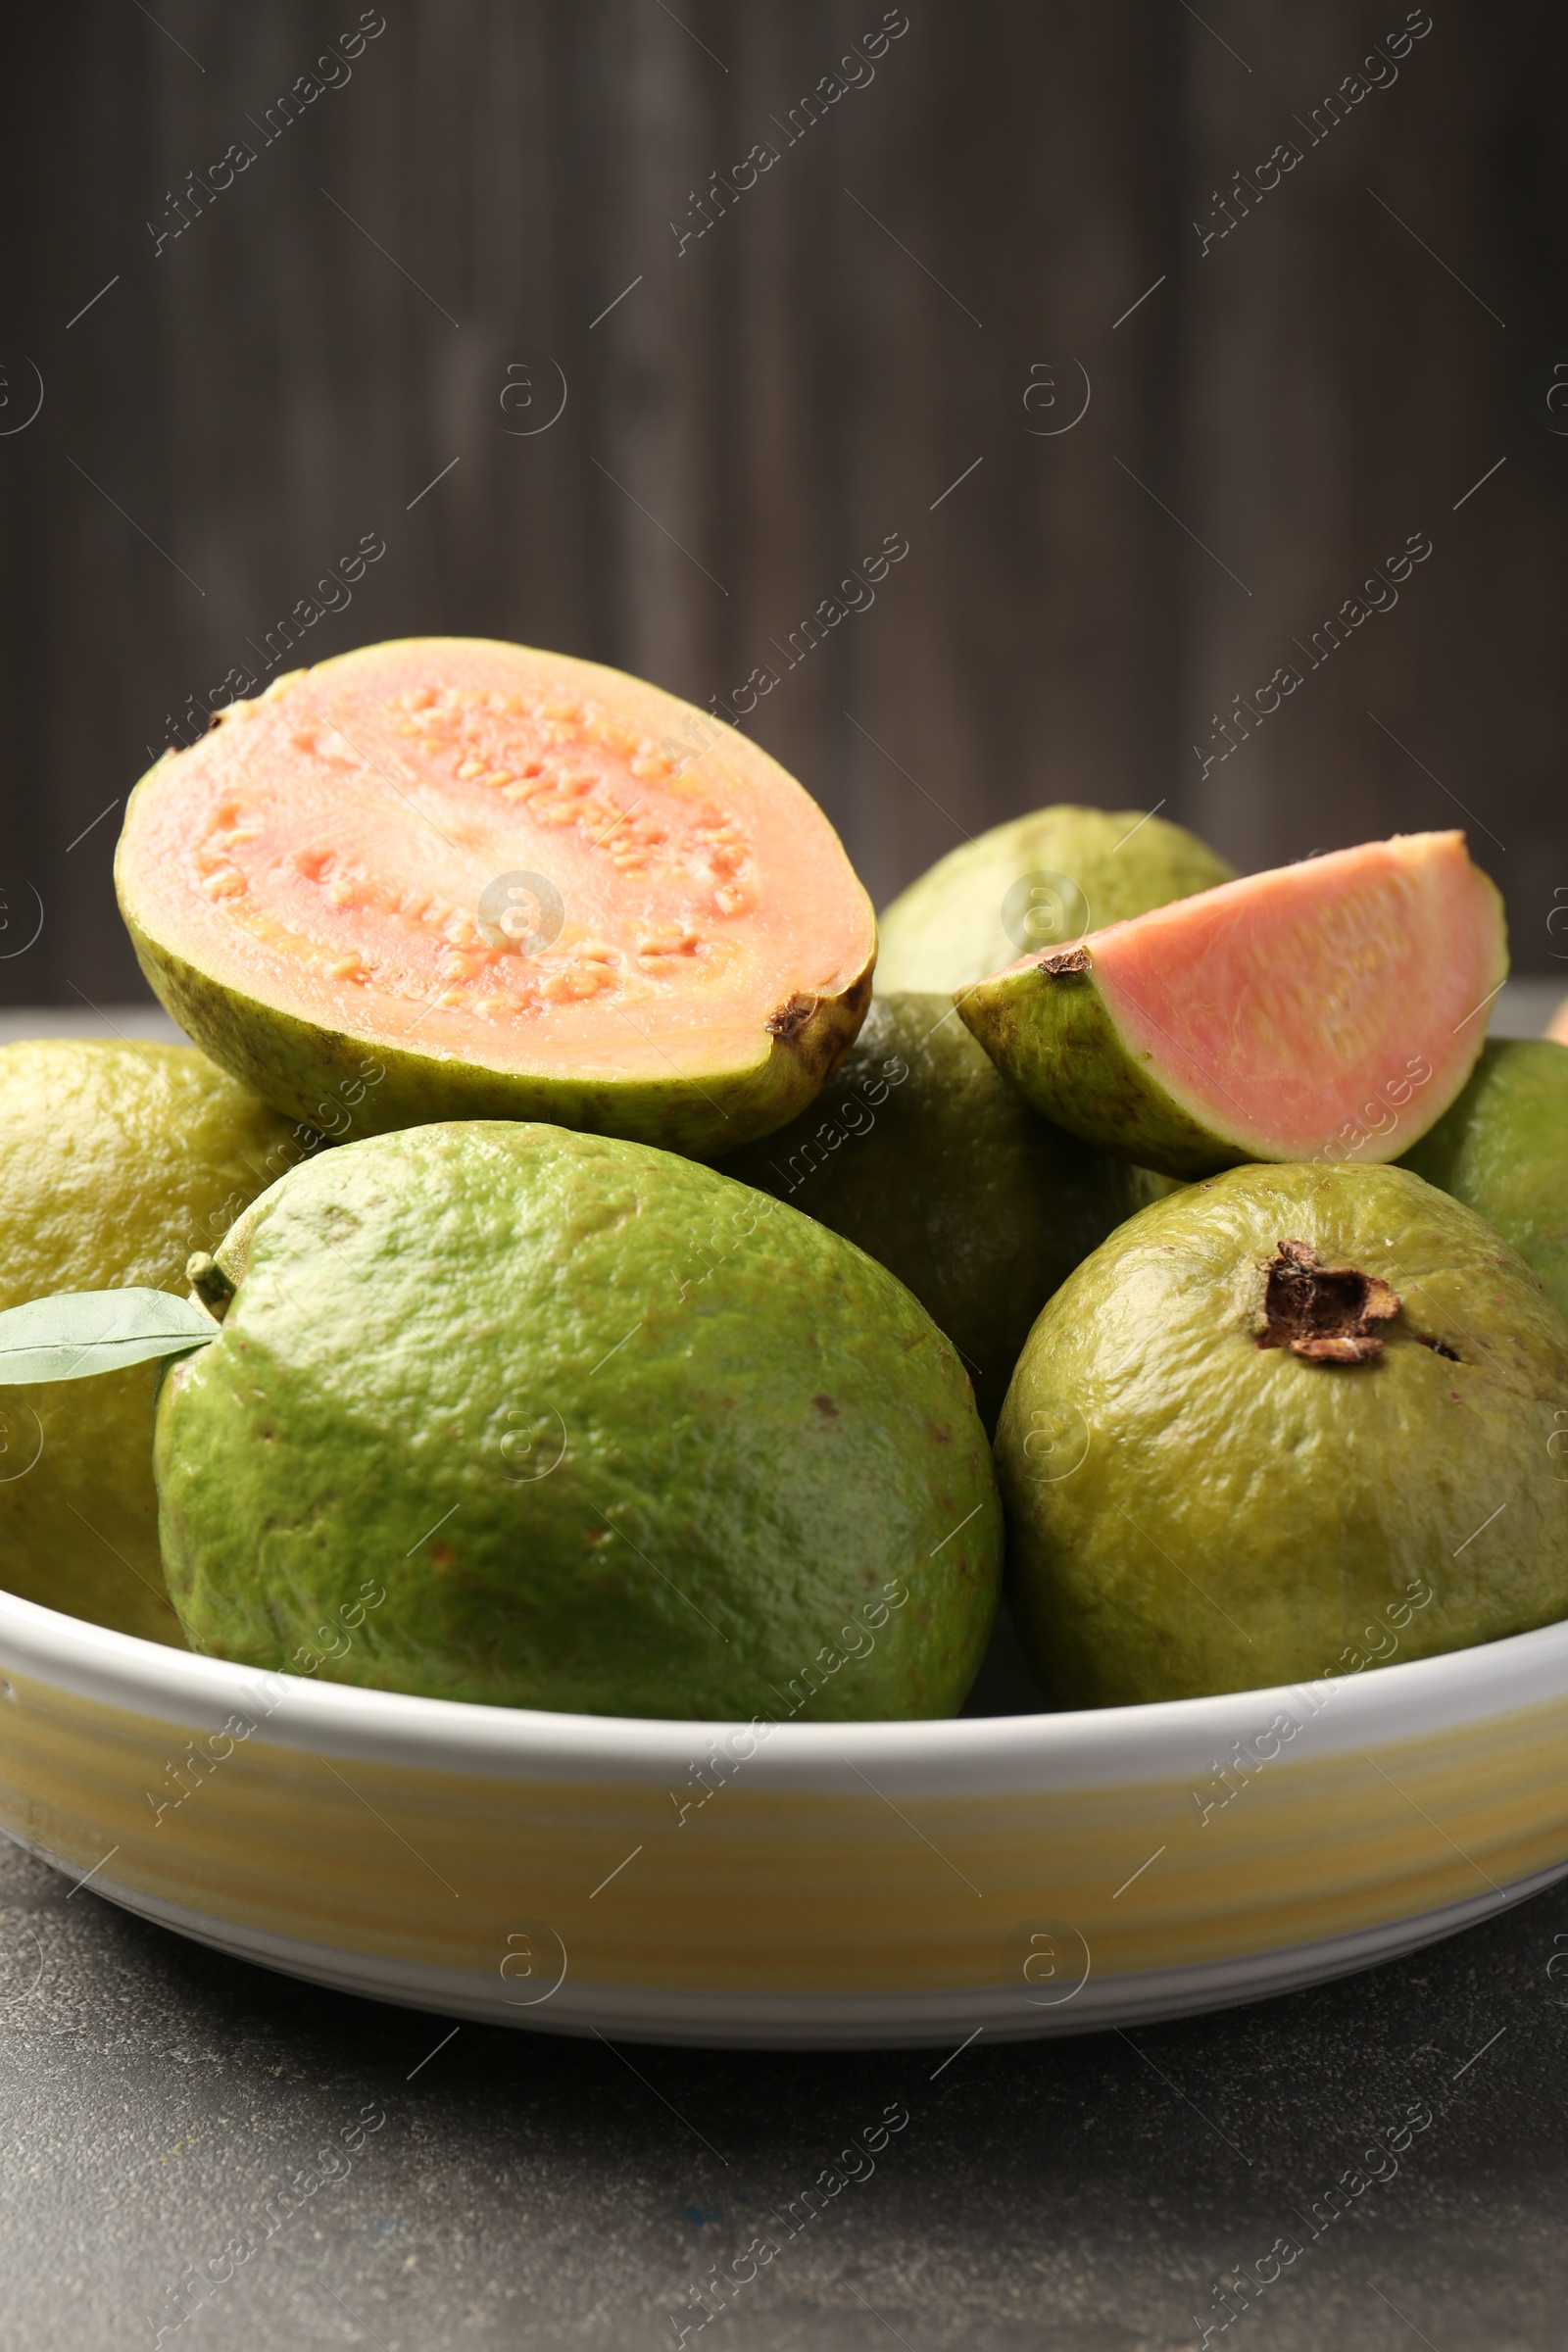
{"points": [[527, 886], [921, 1153], [1280, 1425], [116, 1162], [606, 1431], [1329, 1011], [1502, 1150], [1036, 882]]}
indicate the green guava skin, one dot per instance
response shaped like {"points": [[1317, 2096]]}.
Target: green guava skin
{"points": [[304, 1066], [924, 1157], [1189, 1512], [117, 1162], [1502, 1148], [615, 1434], [946, 930]]}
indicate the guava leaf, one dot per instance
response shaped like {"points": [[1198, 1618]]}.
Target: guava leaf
{"points": [[83, 1332]]}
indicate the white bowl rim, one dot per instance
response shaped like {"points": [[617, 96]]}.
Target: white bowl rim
{"points": [[1404, 1701]]}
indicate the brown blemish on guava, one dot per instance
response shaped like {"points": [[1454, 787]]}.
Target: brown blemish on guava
{"points": [[442, 1556], [791, 1018], [1439, 1348], [1065, 959], [1325, 1314], [826, 1408], [818, 1031]]}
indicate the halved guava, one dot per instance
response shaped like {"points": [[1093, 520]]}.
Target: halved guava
{"points": [[1328, 1011], [521, 886]]}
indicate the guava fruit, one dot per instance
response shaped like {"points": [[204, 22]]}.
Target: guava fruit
{"points": [[921, 1153], [1036, 882], [1280, 1423], [1328, 1012], [117, 1162], [607, 1433], [527, 887], [1503, 1148]]}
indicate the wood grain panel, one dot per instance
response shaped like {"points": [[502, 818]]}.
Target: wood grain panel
{"points": [[811, 371]]}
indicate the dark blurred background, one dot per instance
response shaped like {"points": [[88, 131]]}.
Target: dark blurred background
{"points": [[361, 315]]}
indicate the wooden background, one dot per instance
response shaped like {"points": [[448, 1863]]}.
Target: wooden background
{"points": [[858, 332]]}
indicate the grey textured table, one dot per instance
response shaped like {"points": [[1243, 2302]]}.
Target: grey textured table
{"points": [[528, 2192]]}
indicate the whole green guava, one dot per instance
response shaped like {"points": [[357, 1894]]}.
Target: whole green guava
{"points": [[1502, 1150], [920, 1153], [508, 1413], [117, 1162], [1280, 1421], [1036, 882]]}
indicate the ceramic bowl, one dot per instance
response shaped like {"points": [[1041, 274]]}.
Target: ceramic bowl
{"points": [[805, 1884]]}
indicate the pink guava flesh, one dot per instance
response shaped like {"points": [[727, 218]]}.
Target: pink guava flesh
{"points": [[1298, 1011]]}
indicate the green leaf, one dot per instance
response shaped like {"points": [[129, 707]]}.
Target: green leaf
{"points": [[83, 1332]]}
